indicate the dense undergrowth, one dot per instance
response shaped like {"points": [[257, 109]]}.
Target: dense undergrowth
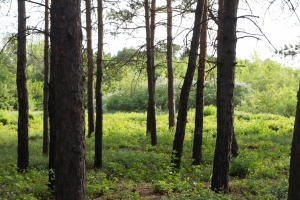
{"points": [[133, 169]]}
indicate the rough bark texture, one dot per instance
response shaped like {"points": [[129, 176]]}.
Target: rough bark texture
{"points": [[234, 145], [67, 91], [225, 104], [171, 93], [186, 87], [91, 110], [294, 177], [23, 152], [99, 109], [151, 118], [46, 83], [197, 147]]}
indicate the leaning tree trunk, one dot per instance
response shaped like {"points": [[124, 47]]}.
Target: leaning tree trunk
{"points": [[23, 152], [186, 87], [151, 121], [294, 177], [99, 109], [225, 100], [91, 112], [46, 83], [171, 93], [67, 100], [198, 133]]}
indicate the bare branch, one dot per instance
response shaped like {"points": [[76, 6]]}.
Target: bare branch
{"points": [[247, 17], [37, 3]]}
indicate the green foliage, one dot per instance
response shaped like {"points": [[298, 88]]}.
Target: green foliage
{"points": [[243, 164], [210, 110], [132, 166], [273, 87], [8, 92]]}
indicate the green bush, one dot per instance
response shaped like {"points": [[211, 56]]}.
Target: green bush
{"points": [[4, 120], [243, 165], [209, 110]]}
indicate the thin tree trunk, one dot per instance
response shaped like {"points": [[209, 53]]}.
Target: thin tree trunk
{"points": [[225, 100], [46, 82], [152, 32], [67, 102], [23, 152], [198, 133], [52, 143], [99, 109], [91, 111], [186, 87], [151, 121], [294, 177], [171, 93]]}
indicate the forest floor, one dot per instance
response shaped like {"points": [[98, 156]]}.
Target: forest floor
{"points": [[133, 169]]}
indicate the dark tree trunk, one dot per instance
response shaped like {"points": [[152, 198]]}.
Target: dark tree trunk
{"points": [[67, 101], [186, 87], [46, 82], [91, 112], [171, 94], [52, 143], [23, 152], [234, 146], [225, 100], [152, 33], [198, 133], [151, 121], [99, 109], [294, 177]]}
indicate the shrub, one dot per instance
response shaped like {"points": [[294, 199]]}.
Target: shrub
{"points": [[209, 110], [243, 165]]}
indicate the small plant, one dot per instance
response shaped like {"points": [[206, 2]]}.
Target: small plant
{"points": [[243, 165], [209, 110], [4, 120]]}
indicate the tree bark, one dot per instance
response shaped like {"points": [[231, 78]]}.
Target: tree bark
{"points": [[171, 93], [225, 100], [294, 177], [67, 100], [46, 83], [23, 152], [198, 133], [91, 110], [99, 109], [151, 118], [234, 146], [186, 87]]}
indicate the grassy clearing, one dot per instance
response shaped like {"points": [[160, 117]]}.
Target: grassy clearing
{"points": [[133, 169]]}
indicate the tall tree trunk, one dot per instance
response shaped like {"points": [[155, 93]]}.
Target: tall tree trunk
{"points": [[67, 100], [186, 87], [234, 146], [46, 82], [151, 121], [23, 152], [152, 33], [198, 133], [52, 143], [91, 112], [225, 100], [294, 177], [99, 109], [171, 93]]}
